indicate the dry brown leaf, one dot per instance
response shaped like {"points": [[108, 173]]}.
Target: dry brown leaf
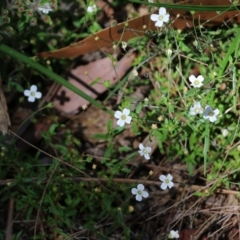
{"points": [[104, 38], [4, 118], [140, 26]]}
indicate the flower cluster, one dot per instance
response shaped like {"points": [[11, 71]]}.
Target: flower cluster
{"points": [[196, 108], [166, 183], [140, 193], [208, 113], [124, 117]]}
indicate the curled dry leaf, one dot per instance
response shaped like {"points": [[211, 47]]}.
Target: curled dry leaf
{"points": [[4, 118], [142, 25]]}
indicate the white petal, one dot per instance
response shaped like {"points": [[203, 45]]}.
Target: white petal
{"points": [[192, 111], [208, 107], [174, 234], [31, 99], [141, 152], [134, 191], [166, 18], [26, 93], [145, 194], [128, 119], [149, 149], [192, 78], [120, 122], [140, 186], [141, 147], [33, 88], [163, 186], [117, 114], [162, 11], [154, 17], [126, 111], [169, 177], [159, 23], [146, 156], [170, 185], [162, 178], [200, 78], [138, 197], [89, 9], [216, 112], [212, 119], [38, 95], [197, 105]]}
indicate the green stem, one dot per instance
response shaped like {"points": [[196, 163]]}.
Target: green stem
{"points": [[206, 146], [200, 8]]}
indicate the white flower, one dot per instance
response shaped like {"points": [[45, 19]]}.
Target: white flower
{"points": [[196, 82], [196, 109], [225, 132], [210, 114], [32, 93], [167, 181], [144, 151], [173, 234], [92, 8], [45, 8], [160, 18], [124, 45], [123, 117], [135, 72], [139, 192], [151, 1], [169, 52]]}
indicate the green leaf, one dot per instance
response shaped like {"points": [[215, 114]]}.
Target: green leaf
{"points": [[29, 212], [139, 107], [101, 136], [68, 200], [54, 211], [108, 151], [126, 170], [109, 125], [118, 131], [124, 149], [52, 129]]}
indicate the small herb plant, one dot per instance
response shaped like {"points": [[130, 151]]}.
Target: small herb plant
{"points": [[190, 111]]}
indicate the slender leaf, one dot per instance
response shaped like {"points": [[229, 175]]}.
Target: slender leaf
{"points": [[200, 8], [28, 61]]}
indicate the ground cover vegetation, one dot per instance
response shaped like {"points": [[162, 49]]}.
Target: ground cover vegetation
{"points": [[165, 162]]}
